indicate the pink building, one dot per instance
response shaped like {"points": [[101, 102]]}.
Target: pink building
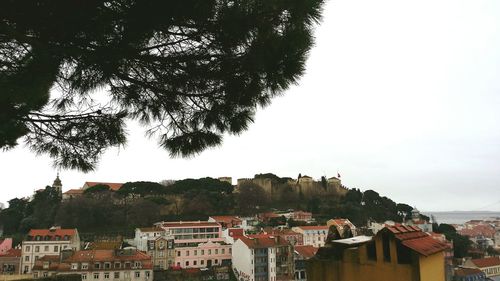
{"points": [[198, 244], [301, 216], [5, 245]]}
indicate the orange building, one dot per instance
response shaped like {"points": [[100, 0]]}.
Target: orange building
{"points": [[398, 253]]}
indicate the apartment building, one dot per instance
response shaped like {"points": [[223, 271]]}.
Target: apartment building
{"points": [[490, 266], [263, 258], [314, 235], [97, 265], [198, 244], [42, 242], [157, 244]]}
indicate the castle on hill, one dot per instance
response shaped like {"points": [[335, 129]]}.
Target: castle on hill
{"points": [[304, 185]]}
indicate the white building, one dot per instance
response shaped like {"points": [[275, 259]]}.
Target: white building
{"points": [[157, 244], [262, 259], [42, 242], [314, 235]]}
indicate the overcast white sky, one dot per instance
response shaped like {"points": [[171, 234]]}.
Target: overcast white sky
{"points": [[399, 96]]}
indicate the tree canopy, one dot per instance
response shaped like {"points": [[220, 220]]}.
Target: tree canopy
{"points": [[189, 70]]}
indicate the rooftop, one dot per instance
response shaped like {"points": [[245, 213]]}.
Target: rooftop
{"points": [[51, 234], [263, 242], [190, 224], [306, 251], [467, 271], [313, 227], [413, 238], [112, 185], [354, 240], [486, 262]]}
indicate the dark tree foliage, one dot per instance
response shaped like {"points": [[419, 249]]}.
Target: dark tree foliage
{"points": [[250, 198], [96, 189], [461, 244], [142, 188], [209, 184], [189, 70]]}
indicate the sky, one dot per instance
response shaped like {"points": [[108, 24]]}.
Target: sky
{"points": [[401, 97]]}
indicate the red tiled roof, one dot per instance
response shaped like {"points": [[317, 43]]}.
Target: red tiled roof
{"points": [[313, 227], [235, 232], [263, 242], [190, 224], [112, 185], [51, 233], [74, 192], [307, 251], [413, 238], [12, 253], [425, 246], [486, 262]]}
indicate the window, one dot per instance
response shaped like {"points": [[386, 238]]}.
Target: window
{"points": [[46, 248], [216, 261], [386, 248], [216, 251], [107, 265], [84, 276], [202, 252], [97, 265], [46, 265], [35, 274], [223, 251], [371, 251], [117, 275], [27, 258], [202, 262], [195, 252], [178, 253], [147, 274], [187, 253], [96, 275], [28, 248], [209, 251], [137, 274], [137, 264], [37, 249], [117, 265], [106, 275], [74, 266], [85, 265], [45, 274], [56, 249], [195, 262], [160, 254], [187, 263]]}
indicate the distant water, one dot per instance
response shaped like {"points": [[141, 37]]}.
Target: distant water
{"points": [[460, 217]]}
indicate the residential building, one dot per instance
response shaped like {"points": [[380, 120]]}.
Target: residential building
{"points": [[301, 255], [41, 242], [399, 253], [10, 262], [231, 234], [302, 216], [72, 193], [263, 259], [226, 221], [313, 235], [294, 238], [102, 265], [157, 244], [469, 274], [203, 255], [198, 244], [490, 266]]}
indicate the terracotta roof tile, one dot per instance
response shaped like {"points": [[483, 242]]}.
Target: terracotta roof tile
{"points": [[12, 253], [467, 271], [74, 192], [112, 185], [425, 245], [190, 223], [313, 227], [486, 262], [263, 242], [51, 234], [307, 251]]}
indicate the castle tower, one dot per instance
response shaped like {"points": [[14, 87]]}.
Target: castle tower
{"points": [[415, 214], [57, 184]]}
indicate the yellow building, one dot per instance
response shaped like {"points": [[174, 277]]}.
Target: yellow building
{"points": [[396, 253]]}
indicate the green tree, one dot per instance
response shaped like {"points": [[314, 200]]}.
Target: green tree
{"points": [[142, 188], [461, 244], [188, 70]]}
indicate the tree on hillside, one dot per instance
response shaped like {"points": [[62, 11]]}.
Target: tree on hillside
{"points": [[11, 217], [96, 189], [461, 244], [208, 184], [188, 70], [250, 198], [142, 188]]}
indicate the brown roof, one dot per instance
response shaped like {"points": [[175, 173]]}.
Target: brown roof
{"points": [[486, 262], [74, 192], [313, 227], [307, 251], [112, 185], [226, 219], [467, 271], [263, 242], [151, 229], [51, 233], [413, 238], [12, 253]]}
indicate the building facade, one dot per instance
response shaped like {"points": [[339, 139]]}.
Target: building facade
{"points": [[301, 255], [263, 259], [313, 235], [402, 253], [490, 266], [10, 262], [158, 245], [98, 265], [42, 242]]}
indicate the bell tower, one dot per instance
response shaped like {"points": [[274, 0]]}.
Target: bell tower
{"points": [[57, 184]]}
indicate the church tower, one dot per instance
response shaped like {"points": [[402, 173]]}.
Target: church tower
{"points": [[57, 184]]}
